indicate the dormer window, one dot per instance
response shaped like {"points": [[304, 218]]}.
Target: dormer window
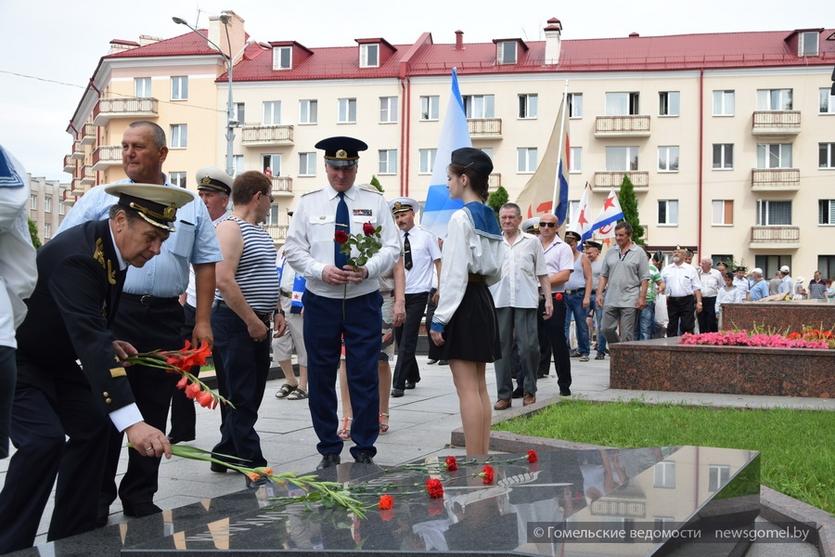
{"points": [[282, 57], [506, 52], [369, 55], [807, 44]]}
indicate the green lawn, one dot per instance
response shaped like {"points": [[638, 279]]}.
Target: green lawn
{"points": [[797, 446]]}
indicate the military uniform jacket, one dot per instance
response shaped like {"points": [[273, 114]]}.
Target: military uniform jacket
{"points": [[70, 312]]}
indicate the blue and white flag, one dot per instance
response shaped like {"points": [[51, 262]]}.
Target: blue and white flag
{"points": [[454, 134]]}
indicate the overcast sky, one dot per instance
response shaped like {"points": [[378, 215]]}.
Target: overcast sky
{"points": [[62, 40]]}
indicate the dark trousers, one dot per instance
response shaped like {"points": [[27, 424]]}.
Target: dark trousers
{"points": [[516, 325], [707, 319], [183, 415], [242, 366], [8, 374], [406, 335], [680, 310], [38, 428], [147, 327], [430, 311], [544, 341], [325, 324], [555, 330]]}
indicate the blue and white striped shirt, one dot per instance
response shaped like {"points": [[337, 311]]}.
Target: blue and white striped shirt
{"points": [[255, 275]]}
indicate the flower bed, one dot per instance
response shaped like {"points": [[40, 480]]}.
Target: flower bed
{"points": [[807, 338]]}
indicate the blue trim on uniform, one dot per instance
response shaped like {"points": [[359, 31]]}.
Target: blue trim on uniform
{"points": [[484, 220], [437, 327], [9, 176]]}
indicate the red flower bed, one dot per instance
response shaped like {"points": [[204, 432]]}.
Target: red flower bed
{"points": [[808, 338]]}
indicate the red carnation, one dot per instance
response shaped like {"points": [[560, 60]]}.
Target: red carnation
{"points": [[487, 474], [434, 488], [340, 237], [368, 229], [558, 296], [451, 464], [386, 502], [532, 456]]}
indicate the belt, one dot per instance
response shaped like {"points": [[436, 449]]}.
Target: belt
{"points": [[476, 279], [264, 317], [285, 293], [575, 290], [150, 301]]}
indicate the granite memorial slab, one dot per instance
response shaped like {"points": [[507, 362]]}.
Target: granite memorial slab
{"points": [[779, 316]]}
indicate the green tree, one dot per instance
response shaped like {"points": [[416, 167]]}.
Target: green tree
{"points": [[376, 183], [33, 232], [497, 199], [629, 204]]}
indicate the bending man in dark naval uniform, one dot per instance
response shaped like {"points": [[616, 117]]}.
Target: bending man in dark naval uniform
{"points": [[80, 277]]}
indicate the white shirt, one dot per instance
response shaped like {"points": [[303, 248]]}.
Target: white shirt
{"points": [[728, 296], [425, 252], [712, 282], [310, 246], [742, 284], [523, 264], [680, 280], [558, 257]]}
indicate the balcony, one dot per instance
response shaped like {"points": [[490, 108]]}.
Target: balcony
{"points": [[88, 176], [485, 128], [69, 164], [88, 134], [282, 186], [278, 232], [604, 181], [68, 198], [775, 179], [776, 122], [494, 181], [621, 126], [775, 237], [124, 107], [77, 151], [256, 136], [106, 156]]}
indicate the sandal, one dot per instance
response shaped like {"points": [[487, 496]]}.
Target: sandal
{"points": [[298, 394], [384, 422], [285, 390], [344, 432]]}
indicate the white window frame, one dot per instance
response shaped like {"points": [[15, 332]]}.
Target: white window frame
{"points": [[664, 475], [388, 110], [782, 99], [665, 159], [142, 87], [764, 212], [723, 156], [801, 50], [366, 49], [426, 160], [825, 98], [239, 113], [278, 63], [272, 215], [271, 113], [502, 51], [527, 159], [830, 210], [307, 164], [33, 202], [670, 206], [387, 162], [766, 154], [479, 107], [179, 87], [274, 163], [47, 231], [308, 112], [61, 205], [632, 159], [632, 98], [178, 178], [429, 108], [670, 95], [718, 477], [238, 162], [575, 109], [528, 106], [717, 212], [179, 136], [575, 160], [829, 163], [47, 203], [724, 103], [344, 107]]}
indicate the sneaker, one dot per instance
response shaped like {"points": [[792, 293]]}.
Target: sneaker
{"points": [[565, 392], [600, 356], [584, 358]]}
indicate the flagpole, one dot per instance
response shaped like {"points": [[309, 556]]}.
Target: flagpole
{"points": [[560, 149]]}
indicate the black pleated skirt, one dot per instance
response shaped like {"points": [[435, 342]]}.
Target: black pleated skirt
{"points": [[473, 332]]}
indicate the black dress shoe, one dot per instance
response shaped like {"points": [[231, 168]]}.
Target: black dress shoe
{"points": [[565, 392], [139, 509], [443, 362], [430, 362], [410, 385], [219, 468], [517, 393], [397, 393], [174, 438], [364, 458], [328, 460]]}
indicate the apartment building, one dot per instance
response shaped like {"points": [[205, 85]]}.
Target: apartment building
{"points": [[727, 137], [47, 204]]}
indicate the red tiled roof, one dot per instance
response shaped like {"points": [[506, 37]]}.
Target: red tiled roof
{"points": [[190, 44]]}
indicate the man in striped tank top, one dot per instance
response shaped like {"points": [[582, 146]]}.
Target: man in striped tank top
{"points": [[245, 306]]}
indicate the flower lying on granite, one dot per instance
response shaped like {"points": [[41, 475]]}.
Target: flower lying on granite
{"points": [[386, 502], [532, 456], [434, 488], [487, 474], [451, 464]]}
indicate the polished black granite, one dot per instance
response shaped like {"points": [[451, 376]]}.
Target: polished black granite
{"points": [[682, 487]]}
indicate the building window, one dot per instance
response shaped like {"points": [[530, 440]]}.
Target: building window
{"points": [[272, 217], [369, 55], [807, 43], [61, 207], [427, 160], [664, 475], [774, 213], [668, 103], [723, 103], [528, 106], [622, 104], [388, 161], [429, 107], [33, 202], [774, 99], [826, 155], [308, 111], [282, 58], [179, 136], [388, 110], [575, 105], [723, 156], [526, 159], [238, 114], [488, 151], [621, 158], [179, 88], [774, 155], [723, 212], [826, 212], [47, 231], [668, 158], [728, 260], [307, 164], [347, 110], [668, 212], [272, 113], [142, 87], [271, 164], [47, 204], [575, 160], [827, 101], [480, 106], [770, 264], [506, 52], [238, 163], [718, 477], [177, 179], [826, 265]]}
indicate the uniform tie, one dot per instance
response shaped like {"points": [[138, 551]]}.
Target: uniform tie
{"points": [[407, 252], [342, 223]]}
